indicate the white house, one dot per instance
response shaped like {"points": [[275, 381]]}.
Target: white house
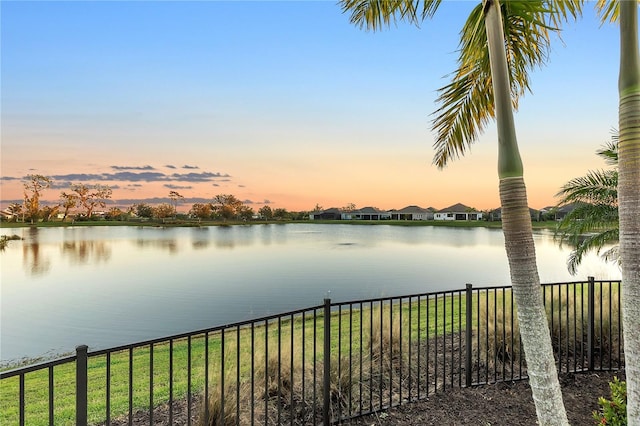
{"points": [[458, 212]]}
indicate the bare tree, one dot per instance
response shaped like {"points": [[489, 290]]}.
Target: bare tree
{"points": [[175, 200], [90, 197]]}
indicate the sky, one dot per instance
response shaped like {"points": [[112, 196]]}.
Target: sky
{"points": [[285, 104]]}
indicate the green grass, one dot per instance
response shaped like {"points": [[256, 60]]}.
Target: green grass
{"points": [[345, 333]]}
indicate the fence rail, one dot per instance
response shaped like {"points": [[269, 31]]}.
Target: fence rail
{"points": [[318, 365]]}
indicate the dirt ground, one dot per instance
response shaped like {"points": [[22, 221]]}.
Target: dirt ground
{"points": [[499, 404]]}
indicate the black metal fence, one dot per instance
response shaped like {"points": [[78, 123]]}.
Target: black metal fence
{"points": [[319, 365]]}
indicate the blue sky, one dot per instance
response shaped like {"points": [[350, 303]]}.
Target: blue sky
{"points": [[285, 103]]}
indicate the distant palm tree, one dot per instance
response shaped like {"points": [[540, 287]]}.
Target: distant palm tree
{"points": [[593, 224]]}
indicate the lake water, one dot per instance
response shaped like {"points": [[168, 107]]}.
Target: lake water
{"points": [[106, 286]]}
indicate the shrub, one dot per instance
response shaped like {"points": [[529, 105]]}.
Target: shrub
{"points": [[613, 411]]}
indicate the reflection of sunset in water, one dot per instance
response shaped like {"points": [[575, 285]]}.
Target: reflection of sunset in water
{"points": [[104, 286]]}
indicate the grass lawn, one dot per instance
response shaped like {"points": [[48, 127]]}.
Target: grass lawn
{"points": [[180, 364]]}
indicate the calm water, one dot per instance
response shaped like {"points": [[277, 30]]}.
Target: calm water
{"points": [[106, 286]]}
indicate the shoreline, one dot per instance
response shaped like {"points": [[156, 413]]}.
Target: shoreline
{"points": [[193, 223]]}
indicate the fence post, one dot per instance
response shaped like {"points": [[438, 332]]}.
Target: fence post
{"points": [[468, 336], [326, 421], [590, 321], [81, 385]]}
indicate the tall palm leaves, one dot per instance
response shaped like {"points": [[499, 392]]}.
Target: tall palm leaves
{"points": [[495, 58], [593, 223]]}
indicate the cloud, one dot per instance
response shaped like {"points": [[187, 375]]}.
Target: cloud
{"points": [[215, 184], [78, 177], [8, 178], [240, 186], [142, 177], [160, 200], [169, 166], [147, 167], [198, 177], [60, 185], [186, 166], [172, 186], [137, 185], [266, 201]]}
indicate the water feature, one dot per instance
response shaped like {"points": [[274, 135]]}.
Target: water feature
{"points": [[106, 286]]}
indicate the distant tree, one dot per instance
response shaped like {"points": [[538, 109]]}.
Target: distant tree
{"points": [[33, 189], [115, 213], [90, 197], [68, 200], [201, 211], [163, 211], [143, 210], [245, 213], [265, 212], [175, 199], [299, 215], [226, 206], [48, 212], [280, 213], [317, 208], [349, 207]]}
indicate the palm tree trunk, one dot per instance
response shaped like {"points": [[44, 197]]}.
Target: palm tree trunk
{"points": [[629, 199], [518, 235]]}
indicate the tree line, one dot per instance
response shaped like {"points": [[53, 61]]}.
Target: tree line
{"points": [[88, 198]]}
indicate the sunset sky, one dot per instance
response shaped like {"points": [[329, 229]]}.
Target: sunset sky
{"points": [[279, 103]]}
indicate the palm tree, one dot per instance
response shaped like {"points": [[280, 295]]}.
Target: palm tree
{"points": [[495, 58], [593, 223], [629, 198]]}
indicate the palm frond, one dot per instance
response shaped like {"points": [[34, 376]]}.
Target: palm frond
{"points": [[609, 151], [597, 186], [586, 218], [564, 10], [594, 242], [608, 10], [376, 14], [466, 104]]}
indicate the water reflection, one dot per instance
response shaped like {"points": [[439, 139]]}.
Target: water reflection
{"points": [[83, 251], [169, 244], [200, 238], [34, 261]]}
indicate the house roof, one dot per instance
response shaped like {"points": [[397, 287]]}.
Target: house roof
{"points": [[412, 209], [369, 210], [331, 210], [457, 208]]}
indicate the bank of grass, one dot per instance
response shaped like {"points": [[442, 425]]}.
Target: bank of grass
{"points": [[238, 364], [566, 306]]}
